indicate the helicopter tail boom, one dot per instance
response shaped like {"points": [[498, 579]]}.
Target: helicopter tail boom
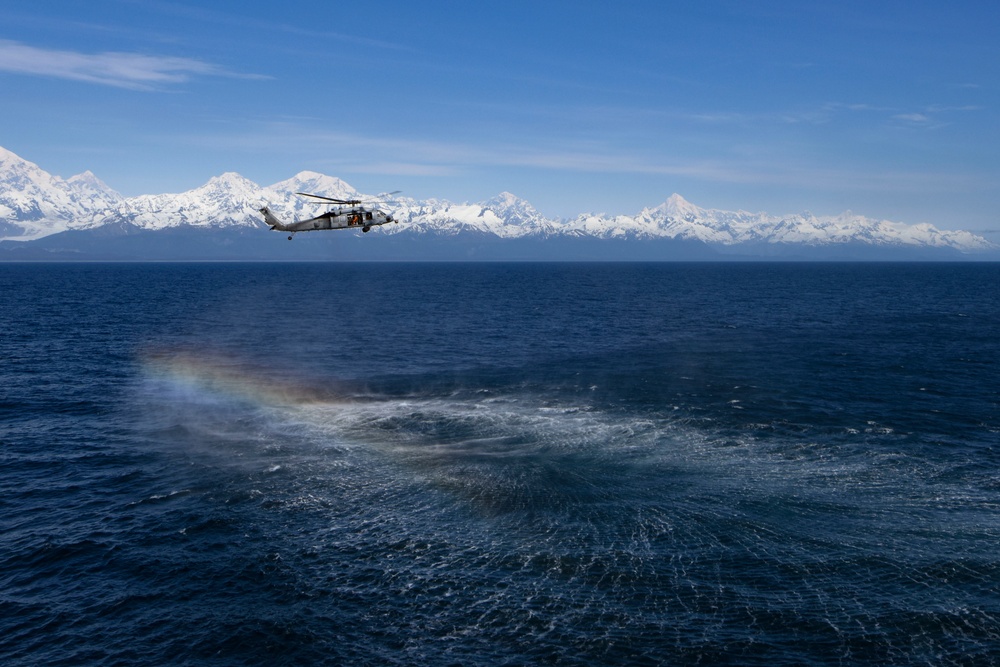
{"points": [[272, 221]]}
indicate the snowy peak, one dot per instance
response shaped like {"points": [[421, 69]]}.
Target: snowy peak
{"points": [[506, 200], [316, 183], [225, 200], [678, 208], [87, 181], [229, 189], [19, 175], [514, 210], [34, 203], [12, 162], [504, 216]]}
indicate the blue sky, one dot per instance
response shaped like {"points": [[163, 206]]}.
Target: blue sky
{"points": [[889, 109]]}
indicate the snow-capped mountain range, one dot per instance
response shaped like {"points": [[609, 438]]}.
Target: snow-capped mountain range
{"points": [[35, 204]]}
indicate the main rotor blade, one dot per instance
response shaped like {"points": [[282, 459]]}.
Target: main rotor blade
{"points": [[335, 201]]}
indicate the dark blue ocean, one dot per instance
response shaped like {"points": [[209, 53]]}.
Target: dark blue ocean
{"points": [[499, 464]]}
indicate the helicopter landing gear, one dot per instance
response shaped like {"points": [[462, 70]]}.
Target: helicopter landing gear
{"points": [[289, 237], [366, 229]]}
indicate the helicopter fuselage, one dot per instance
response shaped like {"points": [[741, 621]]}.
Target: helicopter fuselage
{"points": [[342, 218], [361, 217]]}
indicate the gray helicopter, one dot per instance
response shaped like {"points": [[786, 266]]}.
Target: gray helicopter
{"points": [[349, 214]]}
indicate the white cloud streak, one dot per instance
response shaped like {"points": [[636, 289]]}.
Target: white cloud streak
{"points": [[402, 156], [134, 71]]}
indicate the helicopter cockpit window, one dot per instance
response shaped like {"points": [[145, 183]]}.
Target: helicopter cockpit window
{"points": [[368, 215]]}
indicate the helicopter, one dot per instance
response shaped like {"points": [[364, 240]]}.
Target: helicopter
{"points": [[349, 214]]}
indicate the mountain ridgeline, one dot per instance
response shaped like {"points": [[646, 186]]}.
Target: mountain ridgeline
{"points": [[45, 217]]}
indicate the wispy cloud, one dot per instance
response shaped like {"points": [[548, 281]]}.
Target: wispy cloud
{"points": [[915, 118], [404, 156], [934, 116], [926, 118], [245, 21], [134, 71]]}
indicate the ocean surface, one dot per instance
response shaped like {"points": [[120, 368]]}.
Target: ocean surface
{"points": [[499, 464]]}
